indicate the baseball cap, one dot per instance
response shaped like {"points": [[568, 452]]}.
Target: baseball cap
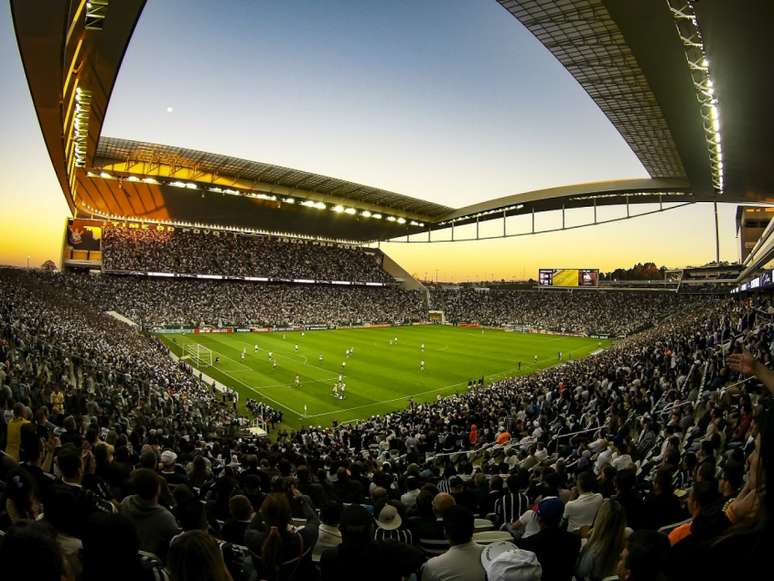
{"points": [[551, 510], [389, 519], [504, 561]]}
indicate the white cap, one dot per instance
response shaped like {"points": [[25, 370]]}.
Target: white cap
{"points": [[504, 561], [168, 457]]}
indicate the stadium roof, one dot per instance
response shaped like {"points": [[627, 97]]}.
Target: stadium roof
{"points": [[685, 83]]}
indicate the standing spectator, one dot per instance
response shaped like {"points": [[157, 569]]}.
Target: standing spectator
{"points": [[13, 433], [513, 503], [644, 557]]}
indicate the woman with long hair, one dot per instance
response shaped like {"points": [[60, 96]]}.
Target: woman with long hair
{"points": [[599, 556], [280, 551], [196, 556]]}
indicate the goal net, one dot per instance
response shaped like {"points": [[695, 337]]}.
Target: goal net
{"points": [[436, 317], [199, 355]]}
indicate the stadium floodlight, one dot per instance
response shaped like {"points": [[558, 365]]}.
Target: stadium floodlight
{"points": [[191, 186], [365, 214], [401, 220], [350, 211], [320, 205], [105, 175], [376, 216], [149, 181], [289, 200], [390, 218], [338, 208], [133, 179], [177, 184]]}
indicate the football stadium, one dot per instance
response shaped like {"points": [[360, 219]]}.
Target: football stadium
{"points": [[232, 368]]}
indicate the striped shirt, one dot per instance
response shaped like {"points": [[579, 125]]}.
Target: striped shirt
{"points": [[511, 506], [397, 535]]}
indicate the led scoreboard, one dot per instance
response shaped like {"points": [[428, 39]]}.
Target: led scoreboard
{"points": [[568, 277]]}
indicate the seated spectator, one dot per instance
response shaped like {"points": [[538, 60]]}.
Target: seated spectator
{"points": [[644, 557], [504, 561], [359, 557], [557, 550], [389, 526], [281, 551], [21, 498], [514, 502], [329, 536], [409, 498], [195, 556], [171, 472], [428, 529], [703, 496], [580, 513], [29, 551], [599, 556], [662, 507], [155, 525], [463, 559], [241, 515], [111, 550]]}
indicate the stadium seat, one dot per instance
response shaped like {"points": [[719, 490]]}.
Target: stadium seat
{"points": [[489, 537]]}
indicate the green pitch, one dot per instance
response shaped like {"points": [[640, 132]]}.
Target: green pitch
{"points": [[381, 374]]}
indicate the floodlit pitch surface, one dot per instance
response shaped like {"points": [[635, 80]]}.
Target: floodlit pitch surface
{"points": [[380, 377]]}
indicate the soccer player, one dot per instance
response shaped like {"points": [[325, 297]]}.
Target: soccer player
{"points": [[535, 359], [217, 359], [274, 364], [295, 348], [396, 340], [270, 357], [422, 365], [422, 347], [519, 365], [321, 356], [336, 390], [343, 364], [242, 355], [341, 378], [256, 347], [341, 390], [297, 381]]}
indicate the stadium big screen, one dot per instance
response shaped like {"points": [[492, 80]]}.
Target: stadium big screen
{"points": [[568, 277]]}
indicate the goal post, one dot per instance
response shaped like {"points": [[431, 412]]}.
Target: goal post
{"points": [[436, 317], [200, 355]]}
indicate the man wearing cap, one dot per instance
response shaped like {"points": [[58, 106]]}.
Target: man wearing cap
{"points": [[389, 526], [462, 562], [504, 561], [359, 557], [557, 550], [170, 471]]}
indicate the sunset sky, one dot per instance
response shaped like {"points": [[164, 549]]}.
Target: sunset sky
{"points": [[451, 101]]}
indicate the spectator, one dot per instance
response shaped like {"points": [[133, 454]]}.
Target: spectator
{"points": [[329, 534], [13, 437], [599, 556], [155, 524], [242, 514], [557, 550], [389, 526], [360, 557], [580, 513], [463, 559], [195, 556], [644, 557]]}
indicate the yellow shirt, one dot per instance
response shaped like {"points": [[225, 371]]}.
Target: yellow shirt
{"points": [[13, 441]]}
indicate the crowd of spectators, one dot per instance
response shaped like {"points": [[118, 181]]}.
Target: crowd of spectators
{"points": [[153, 302], [189, 251], [117, 464], [615, 313]]}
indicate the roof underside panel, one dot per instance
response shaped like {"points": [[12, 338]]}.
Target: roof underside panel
{"points": [[582, 35], [123, 150]]}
